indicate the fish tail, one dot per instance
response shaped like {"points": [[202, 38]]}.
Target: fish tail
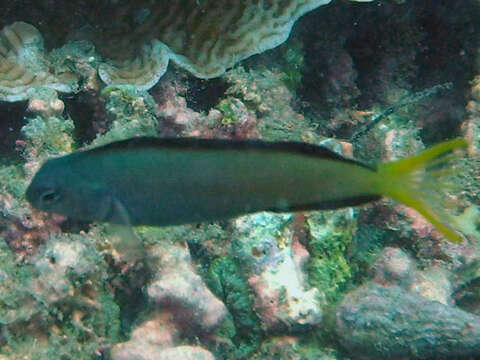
{"points": [[419, 180]]}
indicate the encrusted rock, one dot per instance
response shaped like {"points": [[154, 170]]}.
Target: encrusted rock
{"points": [[435, 284], [178, 286], [154, 339], [378, 321], [273, 265], [394, 267], [183, 305]]}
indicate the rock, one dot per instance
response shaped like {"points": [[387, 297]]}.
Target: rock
{"points": [[378, 321], [153, 340], [394, 266], [273, 265], [178, 286], [152, 353], [435, 284]]}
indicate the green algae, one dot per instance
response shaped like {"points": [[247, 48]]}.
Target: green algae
{"points": [[226, 282], [16, 299], [330, 237]]}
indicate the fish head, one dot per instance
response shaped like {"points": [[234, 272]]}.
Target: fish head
{"points": [[44, 191], [56, 188]]}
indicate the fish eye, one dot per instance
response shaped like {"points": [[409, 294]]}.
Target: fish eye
{"points": [[49, 196]]}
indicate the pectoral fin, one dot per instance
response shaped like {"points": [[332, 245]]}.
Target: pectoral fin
{"points": [[124, 240]]}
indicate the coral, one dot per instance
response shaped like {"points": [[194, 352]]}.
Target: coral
{"points": [[45, 137], [16, 304], [132, 113], [395, 138], [181, 305], [12, 186], [143, 72], [172, 108], [335, 64], [149, 352], [23, 66], [202, 37], [22, 231]]}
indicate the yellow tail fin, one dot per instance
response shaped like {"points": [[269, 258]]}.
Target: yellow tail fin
{"points": [[417, 180]]}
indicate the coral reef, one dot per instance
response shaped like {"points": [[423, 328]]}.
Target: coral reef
{"points": [[377, 81], [140, 46]]}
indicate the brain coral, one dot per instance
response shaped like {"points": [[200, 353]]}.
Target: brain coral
{"points": [[203, 36]]}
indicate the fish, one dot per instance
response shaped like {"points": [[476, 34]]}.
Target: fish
{"points": [[172, 181]]}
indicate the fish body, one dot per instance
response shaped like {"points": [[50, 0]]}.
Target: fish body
{"points": [[176, 181], [151, 181]]}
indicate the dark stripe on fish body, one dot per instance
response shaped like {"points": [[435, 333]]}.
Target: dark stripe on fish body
{"points": [[224, 144], [330, 205]]}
